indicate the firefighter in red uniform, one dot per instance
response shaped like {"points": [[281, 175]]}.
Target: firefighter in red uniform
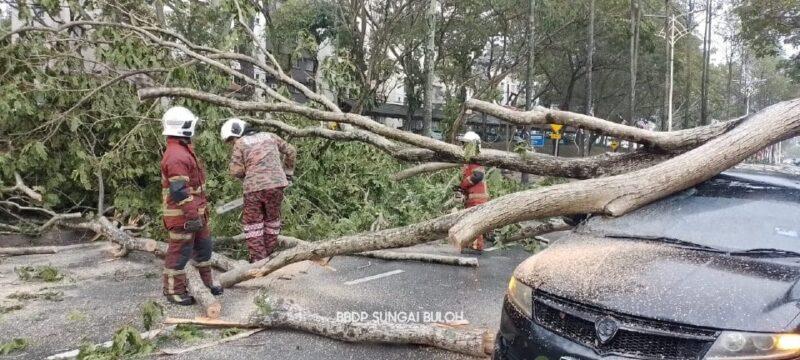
{"points": [[265, 163], [473, 186], [184, 200]]}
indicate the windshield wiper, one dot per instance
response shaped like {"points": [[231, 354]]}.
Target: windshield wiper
{"points": [[668, 240], [766, 252]]}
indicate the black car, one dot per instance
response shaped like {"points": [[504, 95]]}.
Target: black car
{"points": [[710, 273]]}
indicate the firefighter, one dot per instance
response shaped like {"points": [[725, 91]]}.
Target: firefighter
{"points": [[256, 159], [185, 217], [473, 184]]}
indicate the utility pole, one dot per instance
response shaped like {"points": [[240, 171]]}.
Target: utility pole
{"points": [[429, 54]]}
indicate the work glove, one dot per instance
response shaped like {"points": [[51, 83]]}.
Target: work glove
{"points": [[193, 225], [458, 189], [290, 178]]}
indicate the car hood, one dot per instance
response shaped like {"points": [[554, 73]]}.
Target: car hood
{"points": [[664, 282]]}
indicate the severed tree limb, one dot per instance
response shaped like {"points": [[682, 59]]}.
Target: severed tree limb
{"points": [[211, 307], [667, 141], [147, 335], [404, 236], [423, 168], [542, 228], [30, 250], [423, 257], [21, 187], [287, 315], [617, 195], [238, 336], [202, 295]]}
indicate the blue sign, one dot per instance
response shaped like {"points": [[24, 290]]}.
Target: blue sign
{"points": [[537, 140]]}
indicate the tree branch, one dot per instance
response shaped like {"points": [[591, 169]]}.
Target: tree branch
{"points": [[623, 193], [665, 141]]}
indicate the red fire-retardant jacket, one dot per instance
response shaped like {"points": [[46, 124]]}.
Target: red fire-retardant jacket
{"points": [[182, 183], [473, 185]]}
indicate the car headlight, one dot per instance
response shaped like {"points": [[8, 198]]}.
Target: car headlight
{"points": [[733, 345], [521, 296]]}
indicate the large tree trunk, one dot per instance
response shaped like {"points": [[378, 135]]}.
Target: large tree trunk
{"points": [[430, 50]]}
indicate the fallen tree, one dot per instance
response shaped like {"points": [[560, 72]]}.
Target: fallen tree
{"points": [[285, 314], [617, 183]]}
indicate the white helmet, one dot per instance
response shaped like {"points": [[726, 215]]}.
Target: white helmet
{"points": [[234, 127], [471, 136], [179, 121]]}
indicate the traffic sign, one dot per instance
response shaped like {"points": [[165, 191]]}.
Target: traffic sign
{"points": [[555, 136], [537, 140], [556, 127]]}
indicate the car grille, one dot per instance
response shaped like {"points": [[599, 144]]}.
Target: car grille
{"points": [[635, 338]]}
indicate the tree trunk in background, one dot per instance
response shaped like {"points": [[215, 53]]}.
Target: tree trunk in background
{"points": [[706, 60], [245, 67], [430, 48], [668, 29], [687, 91], [636, 17], [529, 67], [588, 106], [729, 88], [158, 5]]}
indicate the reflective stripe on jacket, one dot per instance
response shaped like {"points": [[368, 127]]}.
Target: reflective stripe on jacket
{"points": [[180, 163], [477, 191]]}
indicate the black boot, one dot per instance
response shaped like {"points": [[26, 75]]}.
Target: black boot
{"points": [[181, 299], [216, 289]]}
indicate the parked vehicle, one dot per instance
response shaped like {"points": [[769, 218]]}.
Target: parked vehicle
{"points": [[710, 273]]}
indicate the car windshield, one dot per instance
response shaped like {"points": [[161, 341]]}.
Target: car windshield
{"points": [[734, 212]]}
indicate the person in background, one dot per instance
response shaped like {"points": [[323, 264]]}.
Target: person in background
{"points": [[473, 184], [184, 204], [265, 162]]}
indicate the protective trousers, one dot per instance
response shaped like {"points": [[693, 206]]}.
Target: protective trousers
{"points": [[262, 221], [184, 245]]}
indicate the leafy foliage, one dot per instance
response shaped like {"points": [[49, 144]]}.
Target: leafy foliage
{"points": [[16, 344], [44, 273], [126, 344], [151, 313]]}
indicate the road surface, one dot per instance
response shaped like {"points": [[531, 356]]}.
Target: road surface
{"points": [[101, 296]]}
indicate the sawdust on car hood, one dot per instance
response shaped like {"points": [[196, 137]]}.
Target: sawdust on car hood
{"points": [[665, 282]]}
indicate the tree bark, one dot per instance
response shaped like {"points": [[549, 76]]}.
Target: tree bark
{"points": [[430, 50], [422, 257], [623, 193], [422, 169], [665, 141], [211, 306], [287, 315], [546, 227], [636, 16], [706, 60]]}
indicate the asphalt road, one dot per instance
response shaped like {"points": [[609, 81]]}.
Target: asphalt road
{"points": [[101, 296]]}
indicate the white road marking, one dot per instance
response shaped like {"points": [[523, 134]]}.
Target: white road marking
{"points": [[374, 277]]}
